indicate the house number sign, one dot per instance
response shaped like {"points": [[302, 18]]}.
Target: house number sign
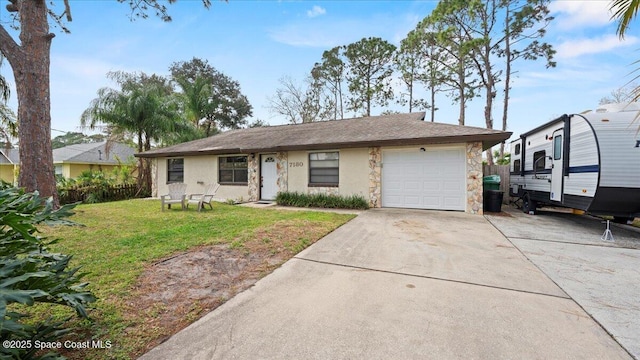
{"points": [[296, 164]]}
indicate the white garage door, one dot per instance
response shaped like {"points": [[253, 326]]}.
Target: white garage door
{"points": [[431, 179]]}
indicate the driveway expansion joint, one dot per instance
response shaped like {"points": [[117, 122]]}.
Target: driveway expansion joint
{"points": [[566, 297], [604, 245]]}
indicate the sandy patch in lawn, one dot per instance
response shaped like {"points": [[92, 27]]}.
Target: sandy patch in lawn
{"points": [[175, 291]]}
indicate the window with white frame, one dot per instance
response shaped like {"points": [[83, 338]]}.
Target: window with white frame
{"points": [[324, 168]]}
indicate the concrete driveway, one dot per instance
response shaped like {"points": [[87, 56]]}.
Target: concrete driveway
{"points": [[603, 277], [400, 284]]}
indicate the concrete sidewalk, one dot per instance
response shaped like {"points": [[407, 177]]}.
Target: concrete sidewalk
{"points": [[400, 284]]}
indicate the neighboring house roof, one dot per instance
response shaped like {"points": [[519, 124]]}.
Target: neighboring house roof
{"points": [[9, 156], [388, 130], [93, 153]]}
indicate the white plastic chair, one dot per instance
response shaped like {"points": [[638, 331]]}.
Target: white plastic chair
{"points": [[204, 199], [177, 195]]}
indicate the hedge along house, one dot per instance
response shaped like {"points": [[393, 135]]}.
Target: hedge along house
{"points": [[392, 161]]}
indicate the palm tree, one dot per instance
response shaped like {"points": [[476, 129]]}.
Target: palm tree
{"points": [[196, 97], [144, 107], [625, 11]]}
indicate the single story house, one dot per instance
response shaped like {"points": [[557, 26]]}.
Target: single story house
{"points": [[394, 160], [70, 161]]}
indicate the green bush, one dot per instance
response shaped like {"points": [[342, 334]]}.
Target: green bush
{"points": [[98, 186], [322, 201], [29, 274]]}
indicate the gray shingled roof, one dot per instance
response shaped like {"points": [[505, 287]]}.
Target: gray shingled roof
{"points": [[388, 130], [90, 153], [93, 153], [9, 156]]}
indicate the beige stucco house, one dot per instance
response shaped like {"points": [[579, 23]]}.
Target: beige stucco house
{"points": [[70, 161], [393, 161]]}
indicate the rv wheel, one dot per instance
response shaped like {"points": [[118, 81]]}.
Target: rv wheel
{"points": [[528, 205]]}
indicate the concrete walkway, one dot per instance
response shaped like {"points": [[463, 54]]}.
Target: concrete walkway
{"points": [[400, 284]]}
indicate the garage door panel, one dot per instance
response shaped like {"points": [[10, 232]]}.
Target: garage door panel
{"points": [[393, 186], [451, 186], [433, 185], [412, 186], [433, 179], [452, 170], [395, 198], [409, 170], [412, 200], [431, 201], [451, 202]]}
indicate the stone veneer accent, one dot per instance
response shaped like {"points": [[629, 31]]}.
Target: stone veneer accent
{"points": [[282, 166], [375, 180], [253, 179], [474, 178]]}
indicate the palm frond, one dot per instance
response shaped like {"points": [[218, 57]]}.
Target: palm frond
{"points": [[624, 11]]}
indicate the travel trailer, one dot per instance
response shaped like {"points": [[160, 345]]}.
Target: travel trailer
{"points": [[588, 161]]}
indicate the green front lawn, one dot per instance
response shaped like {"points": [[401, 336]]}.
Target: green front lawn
{"points": [[121, 240]]}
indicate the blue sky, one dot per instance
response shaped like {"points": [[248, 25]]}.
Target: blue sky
{"points": [[258, 42]]}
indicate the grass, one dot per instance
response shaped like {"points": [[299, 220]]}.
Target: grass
{"points": [[120, 239]]}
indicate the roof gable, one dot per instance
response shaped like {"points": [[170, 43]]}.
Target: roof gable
{"points": [[9, 156]]}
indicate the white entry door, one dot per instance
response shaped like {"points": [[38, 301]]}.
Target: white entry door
{"points": [[557, 167], [424, 178], [268, 177]]}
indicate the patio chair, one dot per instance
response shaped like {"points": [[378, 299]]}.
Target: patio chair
{"points": [[177, 195], [206, 198]]}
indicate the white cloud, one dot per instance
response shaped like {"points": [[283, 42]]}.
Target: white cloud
{"points": [[405, 26], [316, 11], [327, 33], [301, 35], [602, 44], [577, 14]]}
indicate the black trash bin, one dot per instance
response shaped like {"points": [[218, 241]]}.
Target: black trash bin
{"points": [[492, 200]]}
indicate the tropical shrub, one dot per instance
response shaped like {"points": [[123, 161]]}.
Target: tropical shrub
{"points": [[322, 200], [100, 186], [30, 274]]}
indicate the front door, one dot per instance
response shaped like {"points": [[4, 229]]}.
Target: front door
{"points": [[557, 167], [268, 177]]}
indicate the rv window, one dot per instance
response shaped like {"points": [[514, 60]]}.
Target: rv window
{"points": [[516, 165], [517, 151], [557, 147], [539, 159]]}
